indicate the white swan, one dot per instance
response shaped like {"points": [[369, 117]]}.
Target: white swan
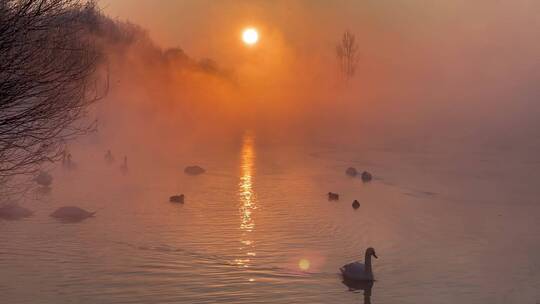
{"points": [[360, 271]]}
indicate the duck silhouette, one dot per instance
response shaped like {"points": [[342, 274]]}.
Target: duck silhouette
{"points": [[333, 196]]}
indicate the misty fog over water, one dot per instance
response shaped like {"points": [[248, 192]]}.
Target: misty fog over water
{"points": [[443, 111]]}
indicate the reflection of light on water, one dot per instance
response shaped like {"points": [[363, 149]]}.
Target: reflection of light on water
{"points": [[304, 264], [307, 261], [247, 197]]}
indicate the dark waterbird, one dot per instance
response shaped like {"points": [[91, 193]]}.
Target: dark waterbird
{"points": [[366, 177], [71, 214], [333, 196], [194, 170], [356, 204], [12, 211], [351, 171], [44, 179], [177, 199]]}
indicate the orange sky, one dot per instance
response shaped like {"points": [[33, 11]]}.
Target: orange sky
{"points": [[417, 56], [390, 32]]}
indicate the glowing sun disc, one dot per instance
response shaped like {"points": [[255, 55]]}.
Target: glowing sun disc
{"points": [[250, 36]]}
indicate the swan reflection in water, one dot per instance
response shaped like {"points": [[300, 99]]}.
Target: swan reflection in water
{"points": [[356, 286], [247, 199]]}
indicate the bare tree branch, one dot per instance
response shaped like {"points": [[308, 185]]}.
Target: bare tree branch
{"points": [[48, 80]]}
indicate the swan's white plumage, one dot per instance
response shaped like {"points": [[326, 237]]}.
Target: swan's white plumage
{"points": [[360, 271], [355, 271]]}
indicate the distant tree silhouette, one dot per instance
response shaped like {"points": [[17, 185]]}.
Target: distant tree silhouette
{"points": [[47, 80], [347, 55]]}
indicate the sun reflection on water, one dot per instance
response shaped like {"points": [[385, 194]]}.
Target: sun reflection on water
{"points": [[247, 198]]}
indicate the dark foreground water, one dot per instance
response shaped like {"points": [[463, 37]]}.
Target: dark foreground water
{"points": [[257, 228]]}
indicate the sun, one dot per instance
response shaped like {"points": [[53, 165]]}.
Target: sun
{"points": [[250, 36]]}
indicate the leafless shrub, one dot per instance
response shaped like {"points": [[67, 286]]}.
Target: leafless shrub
{"points": [[47, 80]]}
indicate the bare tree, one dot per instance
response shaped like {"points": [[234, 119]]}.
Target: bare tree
{"points": [[47, 80], [347, 55]]}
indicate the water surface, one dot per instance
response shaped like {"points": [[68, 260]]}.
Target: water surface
{"points": [[257, 228]]}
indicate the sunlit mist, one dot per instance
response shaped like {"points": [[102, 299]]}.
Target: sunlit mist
{"points": [[258, 151]]}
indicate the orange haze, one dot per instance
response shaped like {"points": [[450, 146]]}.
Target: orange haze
{"points": [[458, 66]]}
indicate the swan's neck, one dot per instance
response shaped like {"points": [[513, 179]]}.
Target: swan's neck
{"points": [[367, 262]]}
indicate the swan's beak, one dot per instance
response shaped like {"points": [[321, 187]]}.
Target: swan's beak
{"points": [[375, 256]]}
